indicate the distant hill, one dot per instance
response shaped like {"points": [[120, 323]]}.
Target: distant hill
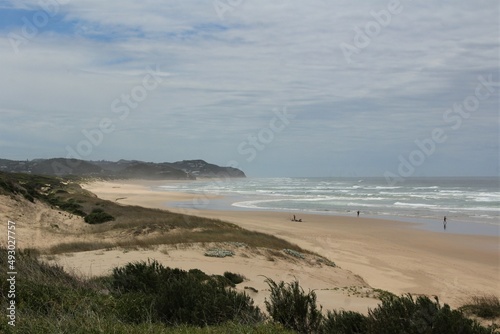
{"points": [[63, 166], [180, 170], [204, 169], [146, 170]]}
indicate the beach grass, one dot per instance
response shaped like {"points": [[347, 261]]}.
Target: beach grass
{"points": [[483, 306], [140, 227], [182, 237], [146, 228]]}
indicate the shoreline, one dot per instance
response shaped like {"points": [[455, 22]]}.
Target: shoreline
{"points": [[387, 254], [427, 224], [430, 221], [208, 202]]}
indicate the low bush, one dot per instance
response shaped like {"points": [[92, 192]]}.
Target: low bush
{"points": [[137, 277], [98, 216], [70, 205], [234, 278], [175, 296], [405, 314], [344, 322], [487, 307], [290, 306]]}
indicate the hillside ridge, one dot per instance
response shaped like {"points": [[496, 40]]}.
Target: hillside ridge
{"points": [[180, 170]]}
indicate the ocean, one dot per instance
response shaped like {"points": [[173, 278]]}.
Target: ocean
{"points": [[473, 203]]}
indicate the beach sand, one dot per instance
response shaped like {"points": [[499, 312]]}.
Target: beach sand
{"points": [[388, 255]]}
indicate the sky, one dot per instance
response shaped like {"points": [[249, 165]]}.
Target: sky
{"points": [[395, 88]]}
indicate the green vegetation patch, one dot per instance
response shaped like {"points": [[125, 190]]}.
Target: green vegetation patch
{"points": [[175, 296], [146, 297], [98, 216], [69, 205], [234, 278], [290, 306]]}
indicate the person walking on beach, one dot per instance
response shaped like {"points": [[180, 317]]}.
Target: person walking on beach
{"points": [[444, 222], [358, 213]]}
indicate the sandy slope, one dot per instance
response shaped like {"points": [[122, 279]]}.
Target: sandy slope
{"points": [[37, 225]]}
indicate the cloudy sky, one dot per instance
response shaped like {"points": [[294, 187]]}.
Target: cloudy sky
{"points": [[276, 88]]}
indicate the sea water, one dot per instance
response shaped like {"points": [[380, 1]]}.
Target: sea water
{"points": [[462, 200]]}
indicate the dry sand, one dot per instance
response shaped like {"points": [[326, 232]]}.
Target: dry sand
{"points": [[370, 253]]}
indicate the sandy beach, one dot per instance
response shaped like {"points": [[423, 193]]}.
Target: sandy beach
{"points": [[384, 254]]}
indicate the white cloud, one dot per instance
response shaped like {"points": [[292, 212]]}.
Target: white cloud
{"points": [[222, 78]]}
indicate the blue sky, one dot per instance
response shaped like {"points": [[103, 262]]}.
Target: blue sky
{"points": [[360, 84]]}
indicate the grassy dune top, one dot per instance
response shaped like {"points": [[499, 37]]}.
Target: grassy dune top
{"points": [[126, 226]]}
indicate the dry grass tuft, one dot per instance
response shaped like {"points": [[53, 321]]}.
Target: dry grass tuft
{"points": [[486, 306]]}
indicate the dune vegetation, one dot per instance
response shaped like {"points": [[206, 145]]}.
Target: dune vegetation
{"points": [[146, 297], [143, 227]]}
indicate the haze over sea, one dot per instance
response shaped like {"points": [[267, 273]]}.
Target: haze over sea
{"points": [[471, 204]]}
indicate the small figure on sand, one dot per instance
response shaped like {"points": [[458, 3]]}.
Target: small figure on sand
{"points": [[296, 220], [444, 222], [358, 213]]}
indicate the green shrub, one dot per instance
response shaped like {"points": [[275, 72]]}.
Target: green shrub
{"points": [[200, 275], [175, 296], [421, 315], [136, 307], [487, 307], [234, 278], [70, 205], [291, 307], [98, 216], [8, 187], [188, 301], [29, 196], [344, 322], [137, 277]]}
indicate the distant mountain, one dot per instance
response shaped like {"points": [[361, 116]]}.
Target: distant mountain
{"points": [[204, 169], [181, 170], [64, 166], [144, 170]]}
